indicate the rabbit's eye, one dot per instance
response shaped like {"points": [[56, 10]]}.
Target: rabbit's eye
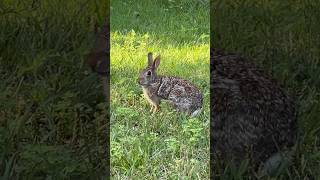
{"points": [[149, 73]]}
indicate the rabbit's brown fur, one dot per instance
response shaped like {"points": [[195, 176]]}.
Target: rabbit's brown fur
{"points": [[180, 93], [97, 58], [251, 116]]}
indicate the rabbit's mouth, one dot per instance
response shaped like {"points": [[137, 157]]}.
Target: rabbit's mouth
{"points": [[142, 84]]}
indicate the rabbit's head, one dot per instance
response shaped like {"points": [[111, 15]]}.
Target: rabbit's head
{"points": [[148, 75]]}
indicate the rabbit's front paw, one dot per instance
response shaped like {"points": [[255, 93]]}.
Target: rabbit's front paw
{"points": [[156, 109]]}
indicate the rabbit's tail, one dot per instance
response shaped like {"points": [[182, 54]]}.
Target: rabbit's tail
{"points": [[196, 112]]}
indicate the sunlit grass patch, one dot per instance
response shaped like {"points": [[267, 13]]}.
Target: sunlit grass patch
{"points": [[166, 144]]}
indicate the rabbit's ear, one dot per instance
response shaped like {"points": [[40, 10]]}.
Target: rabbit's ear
{"points": [[156, 62], [150, 59]]}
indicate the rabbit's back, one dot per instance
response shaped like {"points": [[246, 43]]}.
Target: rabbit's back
{"points": [[181, 93], [250, 113]]}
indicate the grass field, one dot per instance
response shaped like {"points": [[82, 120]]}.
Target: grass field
{"points": [[165, 145], [52, 115], [283, 37]]}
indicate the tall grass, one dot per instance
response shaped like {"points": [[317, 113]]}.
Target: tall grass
{"points": [[165, 145], [283, 37], [52, 118]]}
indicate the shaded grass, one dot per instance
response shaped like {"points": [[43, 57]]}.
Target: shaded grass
{"points": [[52, 118], [282, 37], [166, 144]]}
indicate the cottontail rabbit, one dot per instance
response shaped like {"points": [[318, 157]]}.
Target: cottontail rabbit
{"points": [[180, 93], [251, 116], [97, 58]]}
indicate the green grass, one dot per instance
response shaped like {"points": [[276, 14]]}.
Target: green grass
{"points": [[52, 115], [52, 119], [282, 37], [167, 144]]}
